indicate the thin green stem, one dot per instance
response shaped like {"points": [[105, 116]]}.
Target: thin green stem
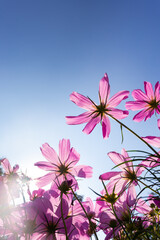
{"points": [[63, 218], [148, 187], [120, 222]]}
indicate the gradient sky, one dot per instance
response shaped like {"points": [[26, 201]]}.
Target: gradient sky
{"points": [[48, 49]]}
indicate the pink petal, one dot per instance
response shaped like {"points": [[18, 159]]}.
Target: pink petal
{"points": [[118, 114], [49, 153], [158, 123], [82, 171], [119, 184], [45, 180], [149, 90], [82, 118], [156, 92], [104, 89], [108, 175], [117, 98], [150, 113], [137, 94], [131, 195], [139, 169], [106, 127], [73, 158], [142, 207], [117, 159], [127, 158], [154, 141], [141, 115], [47, 166], [91, 124], [64, 149], [81, 101], [15, 168], [158, 109], [6, 165], [135, 105]]}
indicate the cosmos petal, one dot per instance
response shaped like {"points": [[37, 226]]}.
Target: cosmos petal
{"points": [[138, 95], [117, 98], [64, 149], [104, 89], [149, 90], [91, 125], [49, 153], [82, 118], [106, 127], [81, 101]]}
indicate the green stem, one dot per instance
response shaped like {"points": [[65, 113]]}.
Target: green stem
{"points": [[120, 222], [90, 222], [63, 218], [122, 124], [148, 187]]}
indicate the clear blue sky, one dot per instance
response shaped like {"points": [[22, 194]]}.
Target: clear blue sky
{"points": [[49, 49]]}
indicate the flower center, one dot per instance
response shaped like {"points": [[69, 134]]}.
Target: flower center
{"points": [[51, 228], [113, 223], [110, 198], [63, 169], [130, 175], [153, 104], [101, 109]]}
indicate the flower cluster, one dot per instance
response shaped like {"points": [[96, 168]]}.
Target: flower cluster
{"points": [[54, 210]]}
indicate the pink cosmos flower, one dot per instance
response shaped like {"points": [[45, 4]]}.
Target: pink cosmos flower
{"points": [[128, 174], [148, 102], [98, 112], [62, 166], [35, 194], [49, 218]]}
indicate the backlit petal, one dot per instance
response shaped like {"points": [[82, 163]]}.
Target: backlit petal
{"points": [[137, 105], [45, 180], [117, 98], [104, 89], [117, 158], [91, 124], [81, 101], [47, 166], [106, 127], [119, 114], [149, 90], [82, 171], [64, 149], [154, 141], [82, 118], [108, 175], [156, 92], [49, 153], [137, 94], [141, 115]]}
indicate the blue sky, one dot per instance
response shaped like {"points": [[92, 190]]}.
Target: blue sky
{"points": [[49, 49]]}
